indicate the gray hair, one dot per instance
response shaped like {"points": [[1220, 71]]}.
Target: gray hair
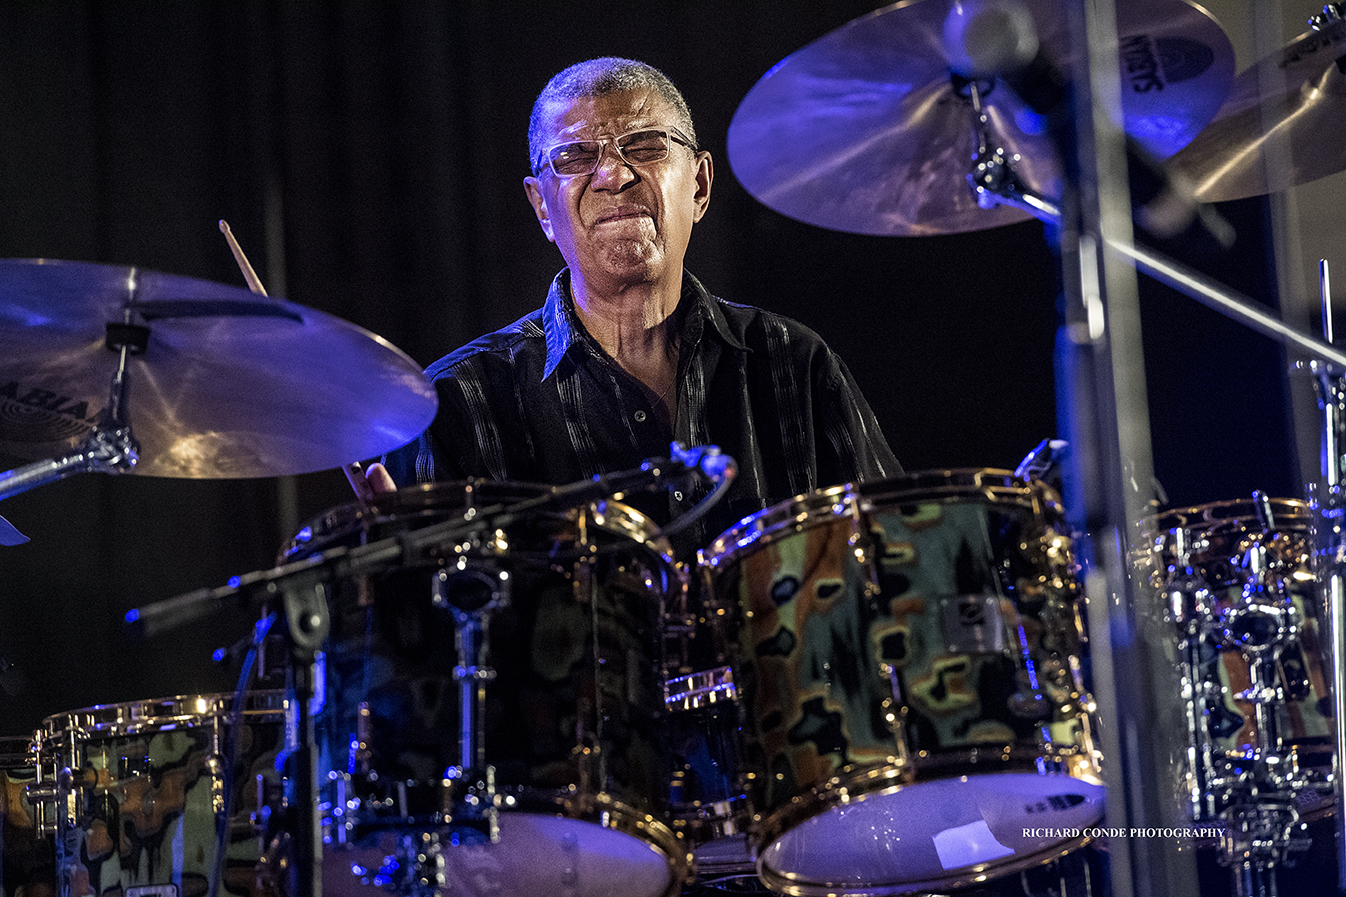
{"points": [[597, 77]]}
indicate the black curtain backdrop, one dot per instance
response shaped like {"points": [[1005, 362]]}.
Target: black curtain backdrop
{"points": [[369, 158]]}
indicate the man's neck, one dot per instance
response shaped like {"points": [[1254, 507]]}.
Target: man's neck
{"points": [[636, 327], [629, 321]]}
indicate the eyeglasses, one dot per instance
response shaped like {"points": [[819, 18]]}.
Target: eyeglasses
{"points": [[644, 147]]}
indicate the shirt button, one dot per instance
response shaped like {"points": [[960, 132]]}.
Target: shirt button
{"points": [[677, 496], [640, 417]]}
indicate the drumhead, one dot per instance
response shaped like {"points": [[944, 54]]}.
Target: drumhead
{"points": [[938, 834], [1215, 534], [535, 854]]}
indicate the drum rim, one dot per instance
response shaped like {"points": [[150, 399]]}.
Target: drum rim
{"points": [[994, 485], [417, 498], [159, 714], [792, 887], [1301, 512], [419, 501]]}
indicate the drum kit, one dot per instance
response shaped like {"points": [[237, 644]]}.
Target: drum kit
{"points": [[498, 688]]}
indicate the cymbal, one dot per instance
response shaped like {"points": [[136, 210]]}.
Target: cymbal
{"points": [[230, 383], [862, 130], [1283, 123]]}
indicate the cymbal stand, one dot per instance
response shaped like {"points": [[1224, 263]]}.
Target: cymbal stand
{"points": [[1330, 537], [422, 862], [1188, 606], [110, 447], [1109, 484], [994, 186]]}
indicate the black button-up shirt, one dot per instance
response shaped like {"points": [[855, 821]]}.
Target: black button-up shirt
{"points": [[540, 401]]}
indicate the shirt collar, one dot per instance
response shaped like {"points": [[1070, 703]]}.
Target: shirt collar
{"points": [[705, 308], [563, 329], [559, 322]]}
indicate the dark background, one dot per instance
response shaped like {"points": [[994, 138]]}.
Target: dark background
{"points": [[369, 158]]}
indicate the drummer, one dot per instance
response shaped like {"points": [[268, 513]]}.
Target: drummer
{"points": [[629, 351]]}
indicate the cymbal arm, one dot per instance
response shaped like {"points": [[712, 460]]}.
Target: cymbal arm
{"points": [[104, 450]]}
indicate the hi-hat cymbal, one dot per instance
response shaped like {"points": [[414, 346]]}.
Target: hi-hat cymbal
{"points": [[1283, 123], [230, 383], [863, 131]]}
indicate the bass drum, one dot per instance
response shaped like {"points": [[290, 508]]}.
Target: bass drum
{"points": [[493, 718], [907, 659], [139, 796]]}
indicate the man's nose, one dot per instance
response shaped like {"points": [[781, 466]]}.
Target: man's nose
{"points": [[612, 169]]}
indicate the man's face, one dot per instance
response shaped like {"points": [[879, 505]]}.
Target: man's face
{"points": [[623, 224]]}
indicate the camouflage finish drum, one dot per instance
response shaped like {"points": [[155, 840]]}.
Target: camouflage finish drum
{"points": [[908, 657], [141, 796]]}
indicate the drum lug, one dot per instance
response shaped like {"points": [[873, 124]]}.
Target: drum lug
{"points": [[473, 803], [359, 749], [44, 797], [270, 798], [215, 769]]}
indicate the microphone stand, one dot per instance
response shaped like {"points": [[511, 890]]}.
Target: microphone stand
{"points": [[306, 622]]}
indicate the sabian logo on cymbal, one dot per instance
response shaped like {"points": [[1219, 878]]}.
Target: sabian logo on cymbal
{"points": [[32, 414], [1155, 63]]}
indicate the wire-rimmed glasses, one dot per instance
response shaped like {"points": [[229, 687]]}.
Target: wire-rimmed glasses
{"points": [[645, 146]]}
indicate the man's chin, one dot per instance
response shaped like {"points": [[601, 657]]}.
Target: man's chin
{"points": [[636, 261]]}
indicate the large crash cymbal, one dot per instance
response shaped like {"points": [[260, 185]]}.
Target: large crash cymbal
{"points": [[862, 130], [1283, 123], [230, 384]]}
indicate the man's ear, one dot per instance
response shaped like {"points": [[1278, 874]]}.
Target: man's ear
{"points": [[705, 175], [533, 187]]}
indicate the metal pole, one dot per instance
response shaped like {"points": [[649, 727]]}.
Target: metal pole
{"points": [[1101, 368], [1331, 545]]}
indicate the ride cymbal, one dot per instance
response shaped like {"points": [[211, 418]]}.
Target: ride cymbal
{"points": [[864, 130], [229, 383]]}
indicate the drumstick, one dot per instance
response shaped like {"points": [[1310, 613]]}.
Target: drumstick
{"points": [[355, 474], [254, 283]]}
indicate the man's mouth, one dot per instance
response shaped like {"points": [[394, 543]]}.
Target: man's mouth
{"points": [[622, 213]]}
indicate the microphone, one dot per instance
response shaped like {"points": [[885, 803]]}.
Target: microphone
{"points": [[714, 464], [998, 39], [653, 473], [164, 616]]}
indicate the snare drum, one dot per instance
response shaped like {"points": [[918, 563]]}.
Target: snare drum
{"points": [[1228, 632], [907, 656], [494, 713], [135, 793]]}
